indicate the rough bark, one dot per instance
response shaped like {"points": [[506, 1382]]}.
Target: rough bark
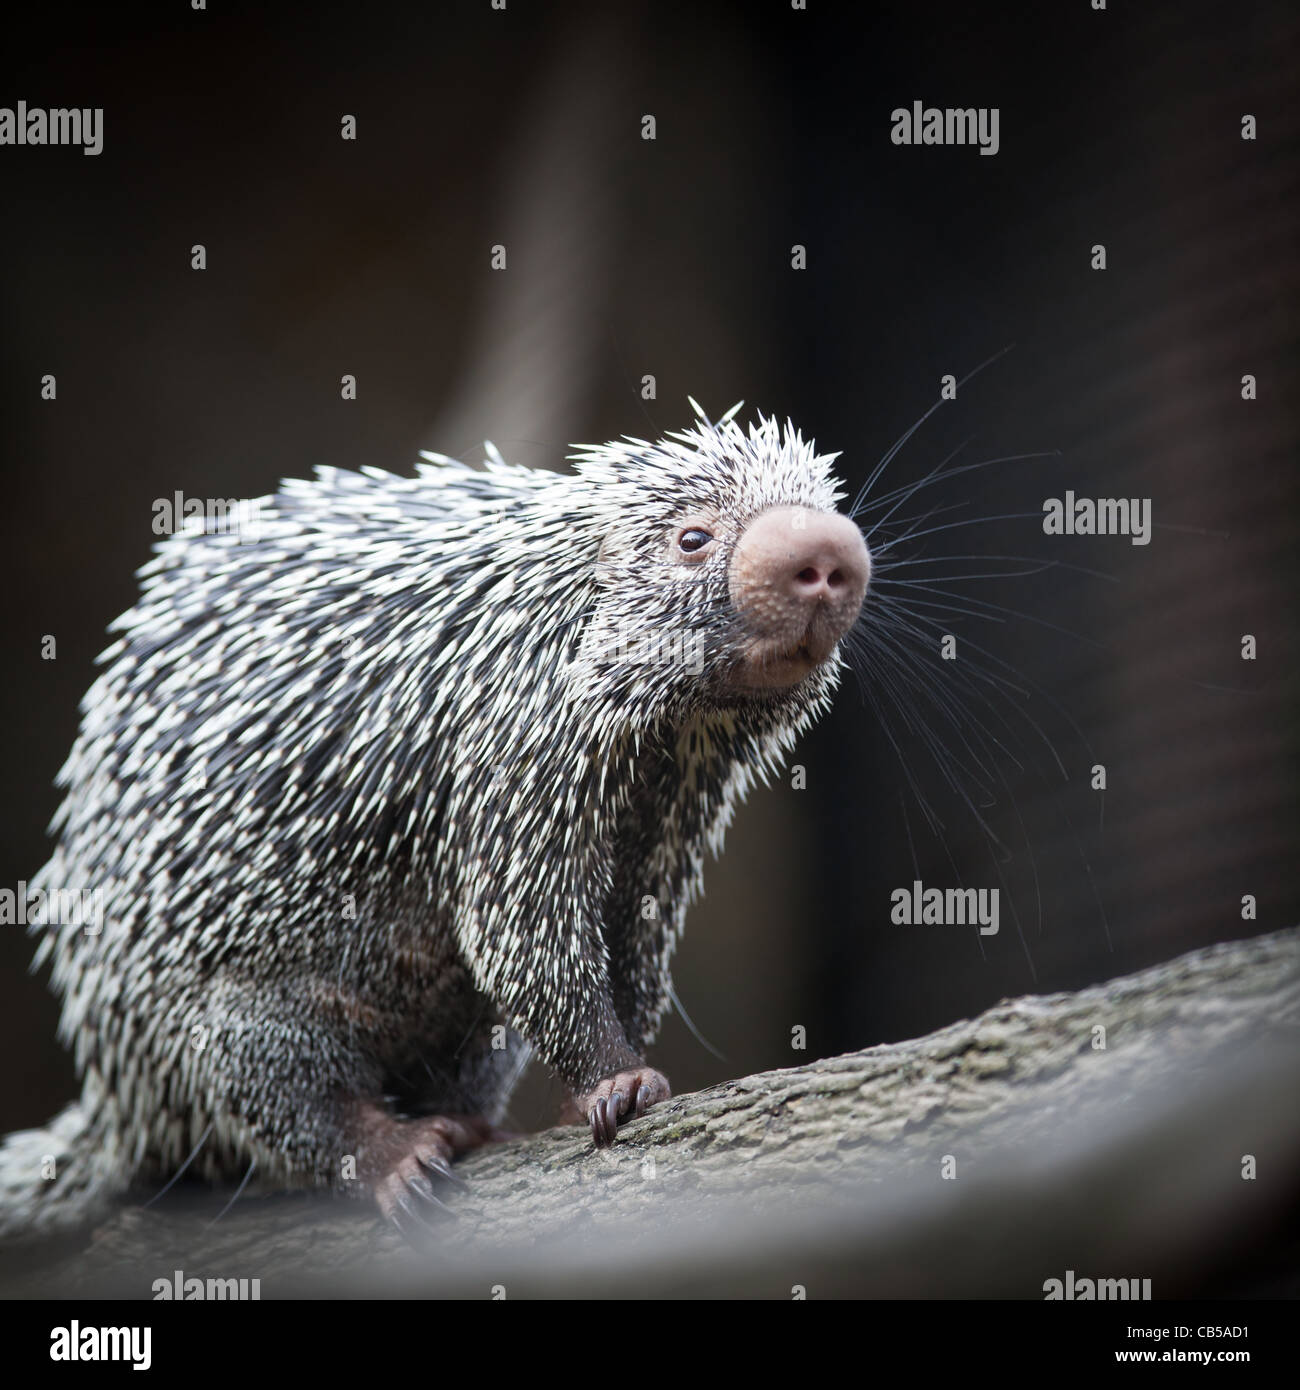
{"points": [[979, 1161]]}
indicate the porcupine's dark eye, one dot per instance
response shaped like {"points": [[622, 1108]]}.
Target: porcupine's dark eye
{"points": [[693, 540]]}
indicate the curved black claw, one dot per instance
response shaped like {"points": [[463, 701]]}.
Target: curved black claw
{"points": [[604, 1121], [416, 1209], [444, 1172], [642, 1100], [412, 1224], [425, 1190]]}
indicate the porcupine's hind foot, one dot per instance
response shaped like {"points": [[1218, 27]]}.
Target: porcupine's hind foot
{"points": [[619, 1098], [407, 1164]]}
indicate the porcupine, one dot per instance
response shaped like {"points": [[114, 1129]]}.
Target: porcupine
{"points": [[421, 779]]}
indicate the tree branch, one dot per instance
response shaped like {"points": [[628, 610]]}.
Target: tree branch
{"points": [[1105, 1131]]}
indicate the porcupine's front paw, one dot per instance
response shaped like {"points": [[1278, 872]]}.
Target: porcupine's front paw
{"points": [[619, 1097]]}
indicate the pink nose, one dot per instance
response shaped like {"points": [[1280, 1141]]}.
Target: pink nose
{"points": [[793, 564], [826, 567]]}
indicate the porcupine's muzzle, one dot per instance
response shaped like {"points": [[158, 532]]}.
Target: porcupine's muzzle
{"points": [[797, 581]]}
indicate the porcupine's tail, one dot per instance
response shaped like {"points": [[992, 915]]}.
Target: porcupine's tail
{"points": [[58, 1177]]}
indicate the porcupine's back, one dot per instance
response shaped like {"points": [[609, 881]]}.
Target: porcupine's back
{"points": [[268, 729], [265, 684]]}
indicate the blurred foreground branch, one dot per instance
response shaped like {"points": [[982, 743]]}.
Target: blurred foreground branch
{"points": [[1144, 1128]]}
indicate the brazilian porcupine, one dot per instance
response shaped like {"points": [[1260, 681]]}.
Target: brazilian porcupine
{"points": [[377, 803]]}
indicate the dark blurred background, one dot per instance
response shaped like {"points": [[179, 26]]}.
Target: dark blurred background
{"points": [[673, 258]]}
